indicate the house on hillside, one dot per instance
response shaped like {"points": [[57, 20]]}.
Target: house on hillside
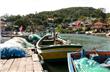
{"points": [[76, 24], [99, 26]]}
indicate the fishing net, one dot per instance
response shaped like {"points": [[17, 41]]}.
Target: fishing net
{"points": [[12, 52], [34, 37], [88, 65], [15, 47], [20, 42]]}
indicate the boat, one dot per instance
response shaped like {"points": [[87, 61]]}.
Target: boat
{"points": [[89, 61], [108, 34], [52, 49]]}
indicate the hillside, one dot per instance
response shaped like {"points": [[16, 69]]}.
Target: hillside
{"points": [[75, 12], [40, 21]]}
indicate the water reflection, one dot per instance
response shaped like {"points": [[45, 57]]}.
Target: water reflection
{"points": [[57, 67]]}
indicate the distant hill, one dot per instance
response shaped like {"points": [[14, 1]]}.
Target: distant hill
{"points": [[40, 21], [76, 12]]}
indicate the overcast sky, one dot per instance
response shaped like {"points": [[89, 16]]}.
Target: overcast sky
{"points": [[23, 7]]}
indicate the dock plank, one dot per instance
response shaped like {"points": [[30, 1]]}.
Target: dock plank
{"points": [[22, 65], [7, 65], [2, 62], [14, 65], [36, 63], [37, 67], [29, 65], [35, 57], [25, 64]]}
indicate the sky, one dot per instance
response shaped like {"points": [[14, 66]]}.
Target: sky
{"points": [[23, 7]]}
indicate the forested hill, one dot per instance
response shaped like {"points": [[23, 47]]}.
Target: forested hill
{"points": [[76, 12], [41, 20]]}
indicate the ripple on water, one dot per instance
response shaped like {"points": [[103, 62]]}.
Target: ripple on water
{"points": [[89, 41]]}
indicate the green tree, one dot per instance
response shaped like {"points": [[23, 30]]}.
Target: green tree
{"points": [[59, 28]]}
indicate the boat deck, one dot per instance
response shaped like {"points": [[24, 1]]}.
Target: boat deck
{"points": [[24, 64]]}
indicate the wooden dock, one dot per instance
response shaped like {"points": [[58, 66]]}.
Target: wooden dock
{"points": [[24, 64]]}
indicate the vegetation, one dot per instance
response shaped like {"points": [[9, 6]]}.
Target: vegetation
{"points": [[40, 21]]}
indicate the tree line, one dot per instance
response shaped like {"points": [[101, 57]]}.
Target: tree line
{"points": [[40, 21]]}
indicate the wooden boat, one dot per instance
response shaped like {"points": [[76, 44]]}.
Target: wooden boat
{"points": [[98, 56], [108, 34], [55, 49]]}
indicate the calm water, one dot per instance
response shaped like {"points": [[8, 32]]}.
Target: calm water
{"points": [[89, 42]]}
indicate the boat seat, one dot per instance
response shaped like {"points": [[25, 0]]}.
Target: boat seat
{"points": [[93, 55], [47, 42]]}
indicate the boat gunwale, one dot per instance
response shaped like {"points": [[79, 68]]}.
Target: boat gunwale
{"points": [[71, 65], [59, 46]]}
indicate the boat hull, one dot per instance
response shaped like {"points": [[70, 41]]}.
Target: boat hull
{"points": [[54, 57], [57, 53]]}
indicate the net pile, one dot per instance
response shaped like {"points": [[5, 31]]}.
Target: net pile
{"points": [[88, 65], [15, 47]]}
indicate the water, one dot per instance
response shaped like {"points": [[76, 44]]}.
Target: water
{"points": [[89, 42], [57, 67]]}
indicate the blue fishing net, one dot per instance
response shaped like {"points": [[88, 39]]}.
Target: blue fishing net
{"points": [[88, 65], [15, 47], [12, 52]]}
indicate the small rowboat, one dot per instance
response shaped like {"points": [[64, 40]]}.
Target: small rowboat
{"points": [[53, 50], [89, 61]]}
